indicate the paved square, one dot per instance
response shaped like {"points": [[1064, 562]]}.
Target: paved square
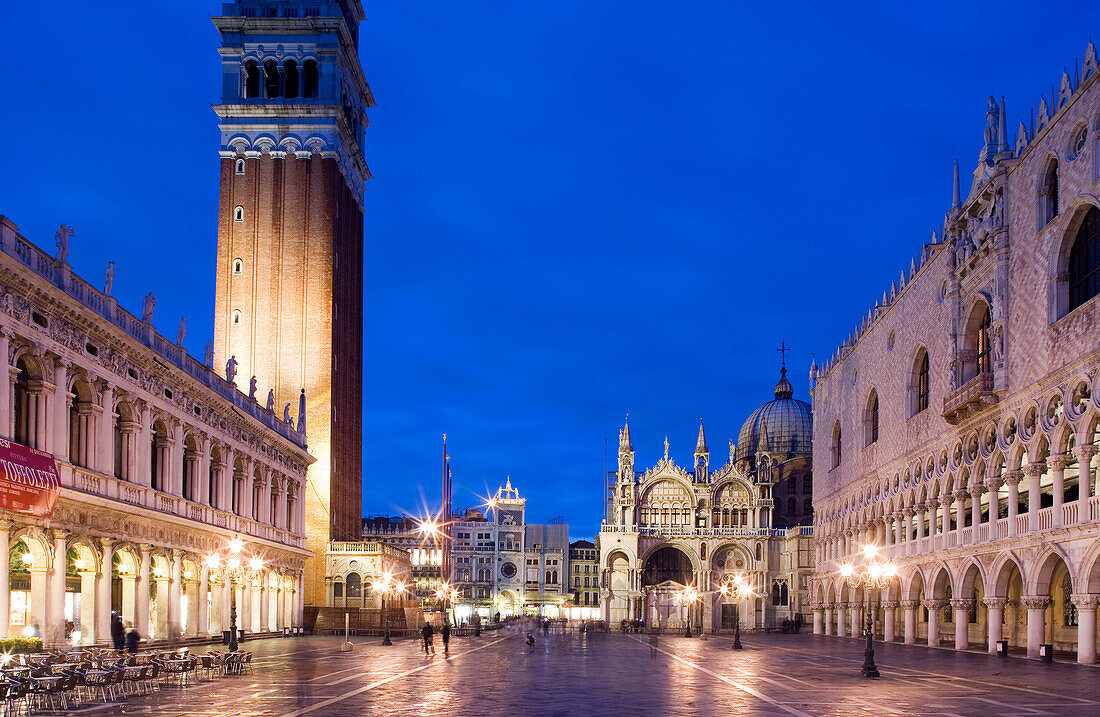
{"points": [[497, 674]]}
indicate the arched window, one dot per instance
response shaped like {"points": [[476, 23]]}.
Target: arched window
{"points": [[354, 585], [238, 266], [548, 580], [791, 508], [977, 357], [271, 79], [808, 483], [1048, 194], [238, 214], [985, 343], [759, 552], [870, 420], [120, 465], [251, 79], [290, 69], [236, 317], [836, 444], [1084, 261], [240, 166], [808, 508], [310, 81], [158, 454], [921, 382]]}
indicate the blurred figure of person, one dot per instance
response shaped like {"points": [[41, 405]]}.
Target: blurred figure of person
{"points": [[445, 631], [132, 638], [427, 632], [117, 632]]}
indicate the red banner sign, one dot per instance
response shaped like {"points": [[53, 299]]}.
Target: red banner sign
{"points": [[28, 480]]}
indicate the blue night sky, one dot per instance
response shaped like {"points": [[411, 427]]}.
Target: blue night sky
{"points": [[578, 209]]}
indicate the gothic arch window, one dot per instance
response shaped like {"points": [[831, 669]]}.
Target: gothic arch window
{"points": [[271, 79], [791, 507], [870, 420], [238, 266], [836, 448], [354, 584], [1069, 610], [1048, 194], [236, 317], [1084, 261], [921, 382], [978, 342], [240, 166], [238, 213], [310, 79], [251, 79], [759, 552]]}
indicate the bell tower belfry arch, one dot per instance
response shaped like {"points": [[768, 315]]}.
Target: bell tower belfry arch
{"points": [[289, 297]]}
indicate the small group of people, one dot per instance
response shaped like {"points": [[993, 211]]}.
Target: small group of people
{"points": [[125, 637], [428, 633]]}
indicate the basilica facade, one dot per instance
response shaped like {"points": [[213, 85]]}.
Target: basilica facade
{"points": [[670, 527], [956, 427]]}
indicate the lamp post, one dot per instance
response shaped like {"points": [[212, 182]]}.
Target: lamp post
{"points": [[875, 575], [387, 584], [737, 587], [237, 565], [688, 596], [446, 594]]}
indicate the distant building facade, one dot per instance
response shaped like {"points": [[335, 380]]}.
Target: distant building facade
{"points": [[425, 552], [503, 565], [584, 576], [669, 527], [956, 429]]}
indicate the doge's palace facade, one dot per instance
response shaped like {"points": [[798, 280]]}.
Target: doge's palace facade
{"points": [[161, 461], [956, 427]]}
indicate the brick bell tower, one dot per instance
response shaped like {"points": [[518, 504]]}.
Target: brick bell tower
{"points": [[290, 236]]}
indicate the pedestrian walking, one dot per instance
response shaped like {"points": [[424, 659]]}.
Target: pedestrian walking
{"points": [[546, 627], [427, 633], [117, 632], [445, 631], [133, 637]]}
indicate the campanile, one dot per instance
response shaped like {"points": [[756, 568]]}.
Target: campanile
{"points": [[289, 296]]}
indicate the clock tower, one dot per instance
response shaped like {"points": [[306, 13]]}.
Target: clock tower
{"points": [[509, 520], [289, 296]]}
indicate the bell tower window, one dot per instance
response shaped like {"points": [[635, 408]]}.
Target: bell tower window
{"points": [[240, 166], [271, 79], [251, 79], [238, 265], [236, 317], [311, 78], [238, 214]]}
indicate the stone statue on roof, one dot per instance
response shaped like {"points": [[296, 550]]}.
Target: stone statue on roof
{"points": [[62, 239], [148, 307], [271, 400], [109, 278], [286, 415], [208, 359], [181, 333], [231, 369], [252, 388]]}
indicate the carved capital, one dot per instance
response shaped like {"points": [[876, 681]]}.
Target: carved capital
{"points": [[1013, 477], [993, 484], [889, 604], [1057, 462], [961, 495], [1084, 453], [910, 604], [935, 604], [1035, 602], [995, 602], [961, 603], [1034, 470], [933, 503], [1085, 601]]}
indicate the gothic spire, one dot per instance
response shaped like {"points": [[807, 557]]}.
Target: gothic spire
{"points": [[624, 437], [956, 198], [1002, 128], [701, 443]]}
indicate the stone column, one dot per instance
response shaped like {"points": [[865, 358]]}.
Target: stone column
{"points": [[1036, 618], [933, 513], [921, 522], [202, 477], [103, 591], [5, 541], [828, 619], [58, 439], [945, 518], [854, 610], [202, 598], [175, 595], [54, 633], [1033, 472], [1084, 463], [1058, 474], [975, 513], [995, 609], [141, 591], [244, 607], [246, 490], [934, 607], [889, 615], [960, 516], [910, 607], [819, 620], [105, 431], [1086, 627], [840, 619], [962, 606], [5, 416], [1012, 480]]}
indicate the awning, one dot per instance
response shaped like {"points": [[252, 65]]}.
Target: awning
{"points": [[28, 480]]}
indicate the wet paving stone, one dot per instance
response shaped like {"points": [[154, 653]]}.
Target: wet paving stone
{"points": [[498, 674]]}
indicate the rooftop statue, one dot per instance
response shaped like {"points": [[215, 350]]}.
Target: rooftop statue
{"points": [[231, 369], [271, 400], [148, 307], [181, 333], [62, 237], [252, 388], [109, 279]]}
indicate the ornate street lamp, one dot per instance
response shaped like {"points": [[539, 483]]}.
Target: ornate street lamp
{"points": [[385, 586], [237, 565], [875, 575], [446, 594], [737, 587], [688, 596]]}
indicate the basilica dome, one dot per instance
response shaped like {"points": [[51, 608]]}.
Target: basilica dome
{"points": [[784, 425]]}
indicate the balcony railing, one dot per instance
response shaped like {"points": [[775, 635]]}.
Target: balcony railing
{"points": [[105, 486], [367, 547], [973, 396], [686, 531]]}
